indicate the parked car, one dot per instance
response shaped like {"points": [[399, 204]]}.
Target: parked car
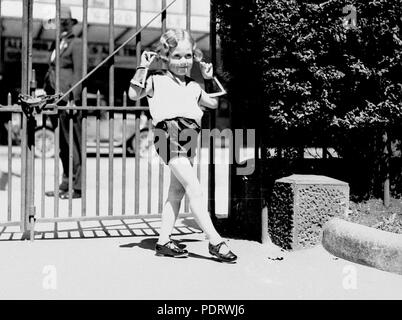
{"points": [[45, 135]]}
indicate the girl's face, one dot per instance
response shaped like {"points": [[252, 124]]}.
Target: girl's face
{"points": [[181, 58]]}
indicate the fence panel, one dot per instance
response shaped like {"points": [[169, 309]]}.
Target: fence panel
{"points": [[115, 187], [11, 167]]}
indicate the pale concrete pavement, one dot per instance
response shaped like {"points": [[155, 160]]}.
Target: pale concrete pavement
{"points": [[114, 259], [125, 267]]}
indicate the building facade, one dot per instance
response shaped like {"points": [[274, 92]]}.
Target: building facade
{"points": [[125, 15]]}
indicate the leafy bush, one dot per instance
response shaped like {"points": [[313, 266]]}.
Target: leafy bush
{"points": [[314, 70], [304, 77]]}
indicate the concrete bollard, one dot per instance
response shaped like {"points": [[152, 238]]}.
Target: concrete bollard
{"points": [[300, 206], [363, 245]]}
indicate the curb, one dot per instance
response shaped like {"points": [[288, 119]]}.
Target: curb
{"points": [[364, 245]]}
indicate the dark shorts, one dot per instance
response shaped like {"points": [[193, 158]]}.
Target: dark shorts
{"points": [[176, 137]]}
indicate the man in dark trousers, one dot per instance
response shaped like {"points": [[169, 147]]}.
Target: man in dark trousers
{"points": [[70, 74]]}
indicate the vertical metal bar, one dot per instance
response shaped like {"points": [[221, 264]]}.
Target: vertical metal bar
{"points": [[30, 135], [43, 159], [163, 16], [24, 89], [30, 214], [23, 170], [199, 159], [57, 46], [137, 122], [111, 103], [84, 104], [57, 129], [188, 15], [32, 90], [26, 75], [212, 114], [149, 143], [25, 54], [10, 172], [137, 166], [97, 153], [161, 166], [138, 37], [1, 32], [70, 161], [232, 167], [188, 28], [211, 167], [123, 180]]}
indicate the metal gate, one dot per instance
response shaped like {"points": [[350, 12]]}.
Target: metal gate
{"points": [[118, 187]]}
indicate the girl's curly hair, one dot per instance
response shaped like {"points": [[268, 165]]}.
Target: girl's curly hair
{"points": [[169, 41]]}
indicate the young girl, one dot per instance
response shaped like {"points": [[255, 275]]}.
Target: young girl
{"points": [[174, 103]]}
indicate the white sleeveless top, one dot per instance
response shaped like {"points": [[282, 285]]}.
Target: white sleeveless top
{"points": [[171, 100]]}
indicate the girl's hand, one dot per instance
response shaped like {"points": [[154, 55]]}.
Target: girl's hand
{"points": [[206, 70], [147, 57]]}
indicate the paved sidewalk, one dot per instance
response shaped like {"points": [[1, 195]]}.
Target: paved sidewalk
{"points": [[125, 267]]}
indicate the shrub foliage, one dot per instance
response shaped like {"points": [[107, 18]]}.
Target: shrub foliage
{"points": [[302, 67]]}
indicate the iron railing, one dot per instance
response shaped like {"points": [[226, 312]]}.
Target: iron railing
{"points": [[28, 197]]}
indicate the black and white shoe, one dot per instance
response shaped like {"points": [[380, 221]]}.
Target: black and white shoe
{"points": [[170, 249], [224, 257], [178, 243]]}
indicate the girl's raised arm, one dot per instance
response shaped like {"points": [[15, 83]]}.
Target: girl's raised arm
{"points": [[207, 101], [140, 86], [135, 92]]}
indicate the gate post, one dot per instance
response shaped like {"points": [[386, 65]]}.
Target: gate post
{"points": [[212, 117], [27, 156]]}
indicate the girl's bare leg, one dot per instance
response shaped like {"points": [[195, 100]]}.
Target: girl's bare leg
{"points": [[184, 172], [171, 209]]}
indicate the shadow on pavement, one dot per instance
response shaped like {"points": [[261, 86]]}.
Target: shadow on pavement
{"points": [[118, 228], [149, 244]]}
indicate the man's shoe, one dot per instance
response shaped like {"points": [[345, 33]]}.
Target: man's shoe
{"points": [[224, 257], [74, 195], [52, 193], [170, 249]]}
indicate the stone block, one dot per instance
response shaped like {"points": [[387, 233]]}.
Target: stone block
{"points": [[299, 207]]}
